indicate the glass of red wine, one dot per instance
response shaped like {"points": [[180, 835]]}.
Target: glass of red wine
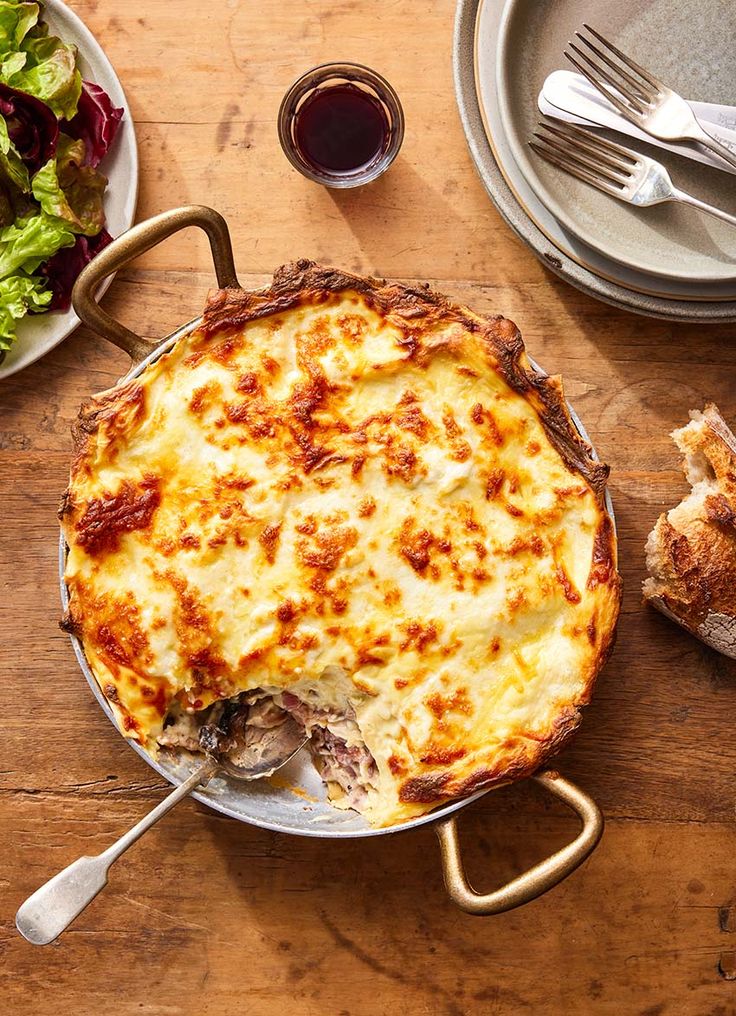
{"points": [[341, 125]]}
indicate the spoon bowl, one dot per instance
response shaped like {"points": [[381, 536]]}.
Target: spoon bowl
{"points": [[257, 757]]}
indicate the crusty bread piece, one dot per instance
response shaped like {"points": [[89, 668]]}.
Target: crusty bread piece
{"points": [[691, 552]]}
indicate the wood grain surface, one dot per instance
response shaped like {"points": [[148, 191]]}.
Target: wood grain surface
{"points": [[209, 916]]}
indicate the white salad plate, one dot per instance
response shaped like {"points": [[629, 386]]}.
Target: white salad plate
{"points": [[39, 333]]}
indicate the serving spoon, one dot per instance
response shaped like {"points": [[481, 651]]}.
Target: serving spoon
{"points": [[53, 907]]}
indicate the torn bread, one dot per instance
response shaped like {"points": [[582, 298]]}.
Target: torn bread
{"points": [[691, 552]]}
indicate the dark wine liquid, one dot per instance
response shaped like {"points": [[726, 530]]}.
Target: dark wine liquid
{"points": [[340, 129]]}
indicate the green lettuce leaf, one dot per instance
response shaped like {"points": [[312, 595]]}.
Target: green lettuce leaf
{"points": [[69, 190], [18, 295], [28, 245], [16, 20], [12, 167], [50, 72], [11, 64]]}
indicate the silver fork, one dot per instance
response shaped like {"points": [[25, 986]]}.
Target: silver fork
{"points": [[613, 169], [642, 99]]}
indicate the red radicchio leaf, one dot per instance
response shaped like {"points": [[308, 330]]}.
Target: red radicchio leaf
{"points": [[95, 122], [32, 126], [62, 269]]}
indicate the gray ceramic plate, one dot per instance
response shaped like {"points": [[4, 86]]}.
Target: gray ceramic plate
{"points": [[559, 251], [689, 45], [490, 14]]}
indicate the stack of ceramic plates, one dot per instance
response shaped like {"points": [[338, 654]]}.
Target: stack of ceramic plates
{"points": [[667, 261]]}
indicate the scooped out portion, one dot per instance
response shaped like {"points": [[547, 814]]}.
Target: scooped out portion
{"points": [[254, 726], [359, 502]]}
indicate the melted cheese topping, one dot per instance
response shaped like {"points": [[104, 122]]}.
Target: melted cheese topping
{"points": [[353, 506]]}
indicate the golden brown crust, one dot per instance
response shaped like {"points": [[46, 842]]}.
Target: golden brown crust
{"points": [[405, 304], [440, 785], [719, 443], [120, 406], [456, 543]]}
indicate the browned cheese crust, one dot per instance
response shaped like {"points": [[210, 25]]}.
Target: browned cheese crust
{"points": [[488, 590]]}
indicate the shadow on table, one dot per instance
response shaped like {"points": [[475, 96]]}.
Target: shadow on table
{"points": [[333, 911], [401, 192]]}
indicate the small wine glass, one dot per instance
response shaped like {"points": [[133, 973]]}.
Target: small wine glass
{"points": [[321, 79]]}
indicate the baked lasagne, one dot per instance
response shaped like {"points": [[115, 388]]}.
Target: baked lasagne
{"points": [[355, 503]]}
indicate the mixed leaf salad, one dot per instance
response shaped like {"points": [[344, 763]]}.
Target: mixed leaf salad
{"points": [[55, 129]]}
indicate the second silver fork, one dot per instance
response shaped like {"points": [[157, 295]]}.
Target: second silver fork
{"points": [[613, 169]]}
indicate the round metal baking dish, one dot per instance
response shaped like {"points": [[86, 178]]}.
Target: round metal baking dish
{"points": [[296, 802]]}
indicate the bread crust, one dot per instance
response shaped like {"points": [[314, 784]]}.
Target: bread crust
{"points": [[691, 552]]}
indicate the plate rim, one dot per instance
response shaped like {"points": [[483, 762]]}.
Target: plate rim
{"points": [[86, 41], [556, 260], [511, 9]]}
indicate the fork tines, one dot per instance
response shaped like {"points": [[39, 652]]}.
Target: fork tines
{"points": [[593, 159], [629, 94]]}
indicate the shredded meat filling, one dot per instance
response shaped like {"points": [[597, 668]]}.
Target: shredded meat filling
{"points": [[342, 758], [340, 755], [351, 767]]}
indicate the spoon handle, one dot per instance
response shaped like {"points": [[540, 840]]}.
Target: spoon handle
{"points": [[53, 907]]}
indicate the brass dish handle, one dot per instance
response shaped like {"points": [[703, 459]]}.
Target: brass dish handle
{"points": [[542, 876], [130, 245]]}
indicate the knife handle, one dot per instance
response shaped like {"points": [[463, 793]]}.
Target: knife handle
{"points": [[714, 145]]}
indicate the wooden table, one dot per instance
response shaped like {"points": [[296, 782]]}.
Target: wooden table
{"points": [[210, 916]]}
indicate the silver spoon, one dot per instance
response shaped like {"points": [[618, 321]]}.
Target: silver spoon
{"points": [[53, 907]]}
